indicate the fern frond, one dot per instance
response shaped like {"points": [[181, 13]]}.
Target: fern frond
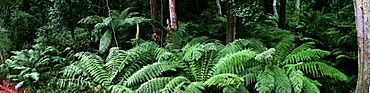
{"points": [[105, 41], [96, 70], [310, 87], [169, 88], [222, 80], [283, 48], [304, 46], [283, 85], [318, 69], [306, 55], [197, 40], [265, 81], [114, 51], [239, 45], [296, 78], [235, 63], [125, 64], [120, 89], [233, 89], [192, 53], [195, 87], [149, 72], [72, 70], [163, 54], [250, 78], [153, 85]]}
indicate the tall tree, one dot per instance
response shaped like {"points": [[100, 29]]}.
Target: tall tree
{"points": [[231, 28], [155, 16], [362, 27], [282, 14], [173, 17]]}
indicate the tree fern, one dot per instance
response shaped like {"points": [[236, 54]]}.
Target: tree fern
{"points": [[306, 55], [296, 78], [284, 47], [310, 87], [120, 89], [149, 72], [265, 81], [96, 70], [153, 85], [169, 88], [239, 45], [222, 80], [235, 63], [282, 84], [195, 87], [105, 41], [321, 69], [303, 47]]}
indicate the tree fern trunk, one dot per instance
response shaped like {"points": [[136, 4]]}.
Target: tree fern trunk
{"points": [[173, 17], [362, 27]]}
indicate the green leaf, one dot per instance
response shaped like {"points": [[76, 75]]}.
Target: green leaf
{"points": [[33, 75], [105, 41]]}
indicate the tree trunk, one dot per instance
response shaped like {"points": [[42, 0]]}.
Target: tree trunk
{"points": [[362, 27], [274, 8], [173, 17], [155, 16], [1, 57], [231, 28], [282, 14]]}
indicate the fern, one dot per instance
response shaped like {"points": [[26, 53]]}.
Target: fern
{"points": [[310, 87], [265, 81], [222, 80], [306, 55], [232, 89], [239, 45], [321, 69], [235, 63], [105, 41], [91, 65], [153, 85], [170, 87], [120, 89], [283, 85], [283, 48], [303, 47], [149, 72], [195, 87], [296, 78]]}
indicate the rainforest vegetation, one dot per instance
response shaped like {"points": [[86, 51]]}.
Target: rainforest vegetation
{"points": [[182, 46]]}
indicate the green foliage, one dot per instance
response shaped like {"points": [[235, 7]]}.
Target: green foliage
{"points": [[35, 66], [270, 60]]}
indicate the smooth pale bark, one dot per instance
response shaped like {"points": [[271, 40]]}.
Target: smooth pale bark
{"points": [[231, 28], [274, 8], [219, 7], [173, 17], [282, 14], [363, 35], [137, 31]]}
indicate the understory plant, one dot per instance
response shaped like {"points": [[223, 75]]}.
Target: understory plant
{"points": [[202, 65]]}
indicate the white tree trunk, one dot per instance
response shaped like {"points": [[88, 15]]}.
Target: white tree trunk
{"points": [[173, 17], [363, 35]]}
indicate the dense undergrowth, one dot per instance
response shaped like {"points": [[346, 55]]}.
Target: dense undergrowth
{"points": [[89, 46]]}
